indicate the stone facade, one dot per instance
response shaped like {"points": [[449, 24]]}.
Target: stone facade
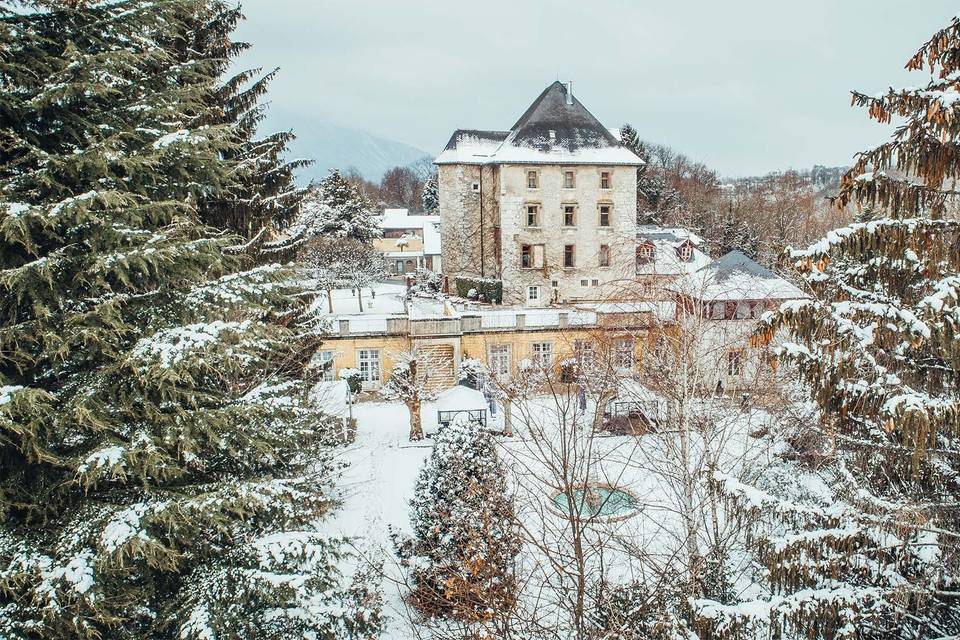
{"points": [[589, 275]]}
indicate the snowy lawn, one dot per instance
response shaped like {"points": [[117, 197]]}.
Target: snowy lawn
{"points": [[383, 298], [382, 467]]}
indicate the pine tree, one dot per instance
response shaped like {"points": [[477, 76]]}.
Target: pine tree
{"points": [[336, 208], [160, 468], [264, 197], [465, 534], [631, 140], [868, 547], [431, 195]]}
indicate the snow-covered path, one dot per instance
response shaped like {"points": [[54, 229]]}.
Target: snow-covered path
{"points": [[375, 490], [382, 469]]}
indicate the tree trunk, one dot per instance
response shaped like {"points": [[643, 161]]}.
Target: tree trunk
{"points": [[330, 300], [360, 298], [416, 428]]}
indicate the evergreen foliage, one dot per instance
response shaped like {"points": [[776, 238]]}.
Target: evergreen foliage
{"points": [[465, 535], [335, 208], [431, 195], [866, 544], [154, 481], [262, 197]]}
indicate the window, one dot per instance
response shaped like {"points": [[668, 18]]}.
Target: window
{"points": [[757, 310], [605, 215], [743, 311], [718, 311], [475, 186], [686, 251], [542, 354], [554, 283], [533, 215], [531, 256], [569, 215], [734, 363], [595, 282], [399, 266], [568, 180], [533, 180], [369, 362], [604, 255], [604, 179], [324, 362], [533, 293], [625, 354], [568, 256], [499, 359], [585, 352], [584, 283]]}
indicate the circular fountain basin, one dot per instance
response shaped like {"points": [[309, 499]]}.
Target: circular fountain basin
{"points": [[597, 500]]}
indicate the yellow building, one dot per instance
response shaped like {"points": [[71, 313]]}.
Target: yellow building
{"points": [[502, 339]]}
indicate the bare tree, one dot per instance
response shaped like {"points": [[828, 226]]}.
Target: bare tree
{"points": [[408, 384]]}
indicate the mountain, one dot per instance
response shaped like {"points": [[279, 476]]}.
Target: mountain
{"points": [[332, 146]]}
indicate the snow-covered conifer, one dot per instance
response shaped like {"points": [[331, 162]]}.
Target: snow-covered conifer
{"points": [[431, 195], [864, 544], [465, 534], [160, 467], [263, 196], [334, 207]]}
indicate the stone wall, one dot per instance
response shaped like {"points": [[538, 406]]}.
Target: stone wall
{"points": [[468, 196], [587, 236]]}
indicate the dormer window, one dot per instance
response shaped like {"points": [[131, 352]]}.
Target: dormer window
{"points": [[533, 215], [533, 180], [645, 254], [685, 251], [568, 180], [604, 179]]}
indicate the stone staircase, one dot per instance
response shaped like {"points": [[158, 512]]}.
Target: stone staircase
{"points": [[436, 362]]}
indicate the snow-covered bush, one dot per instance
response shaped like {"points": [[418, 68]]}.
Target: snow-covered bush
{"points": [[473, 372], [465, 536], [353, 377], [426, 283]]}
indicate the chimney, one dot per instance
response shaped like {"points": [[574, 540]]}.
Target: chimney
{"points": [[569, 91]]}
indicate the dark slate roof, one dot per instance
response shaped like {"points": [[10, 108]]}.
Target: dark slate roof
{"points": [[574, 127], [736, 262], [493, 137], [550, 131]]}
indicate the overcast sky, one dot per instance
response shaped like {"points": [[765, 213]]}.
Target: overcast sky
{"points": [[746, 86]]}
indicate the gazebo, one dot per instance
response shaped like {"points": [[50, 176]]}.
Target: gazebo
{"points": [[461, 400]]}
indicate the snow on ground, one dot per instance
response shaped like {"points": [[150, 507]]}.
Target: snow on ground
{"points": [[375, 490], [382, 467], [384, 298]]}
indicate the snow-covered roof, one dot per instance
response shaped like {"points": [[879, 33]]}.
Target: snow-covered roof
{"points": [[431, 238], [402, 219], [460, 398], [553, 130], [735, 276], [666, 251]]}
